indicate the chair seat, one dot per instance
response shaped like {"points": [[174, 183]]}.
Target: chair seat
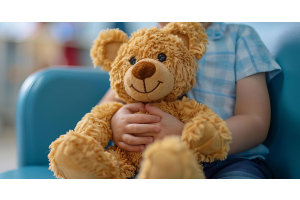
{"points": [[29, 172]]}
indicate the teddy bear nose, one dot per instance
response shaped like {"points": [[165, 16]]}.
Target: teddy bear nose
{"points": [[143, 70]]}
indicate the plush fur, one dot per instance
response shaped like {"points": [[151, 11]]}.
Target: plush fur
{"points": [[156, 66]]}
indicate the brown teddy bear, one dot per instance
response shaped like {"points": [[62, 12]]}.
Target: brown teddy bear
{"points": [[156, 66]]}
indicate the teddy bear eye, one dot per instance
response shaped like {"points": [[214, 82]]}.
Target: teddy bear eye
{"points": [[132, 60], [162, 57]]}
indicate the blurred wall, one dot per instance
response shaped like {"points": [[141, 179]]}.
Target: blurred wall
{"points": [[28, 47]]}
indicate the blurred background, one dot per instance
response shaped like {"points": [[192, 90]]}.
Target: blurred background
{"points": [[28, 47]]}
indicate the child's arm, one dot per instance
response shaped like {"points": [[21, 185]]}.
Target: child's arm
{"points": [[250, 124], [109, 97]]}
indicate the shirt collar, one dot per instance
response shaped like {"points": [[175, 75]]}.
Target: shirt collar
{"points": [[216, 30]]}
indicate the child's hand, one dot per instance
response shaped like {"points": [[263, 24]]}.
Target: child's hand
{"points": [[168, 124], [128, 128]]}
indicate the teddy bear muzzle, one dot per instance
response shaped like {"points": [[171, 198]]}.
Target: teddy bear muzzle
{"points": [[148, 80], [143, 70]]}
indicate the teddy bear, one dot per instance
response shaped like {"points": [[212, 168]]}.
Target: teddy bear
{"points": [[152, 66]]}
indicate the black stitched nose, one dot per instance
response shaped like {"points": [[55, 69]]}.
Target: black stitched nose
{"points": [[143, 70]]}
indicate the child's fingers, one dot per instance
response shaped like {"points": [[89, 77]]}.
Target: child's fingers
{"points": [[153, 110], [132, 140], [135, 107], [142, 128], [145, 134], [142, 119], [127, 147]]}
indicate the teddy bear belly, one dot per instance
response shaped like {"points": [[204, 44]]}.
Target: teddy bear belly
{"points": [[126, 158]]}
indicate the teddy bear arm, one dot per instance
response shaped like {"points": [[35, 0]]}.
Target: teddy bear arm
{"points": [[207, 134], [97, 123]]}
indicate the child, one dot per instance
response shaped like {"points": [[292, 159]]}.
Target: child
{"points": [[231, 80]]}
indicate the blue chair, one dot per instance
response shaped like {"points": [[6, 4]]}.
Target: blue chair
{"points": [[52, 101]]}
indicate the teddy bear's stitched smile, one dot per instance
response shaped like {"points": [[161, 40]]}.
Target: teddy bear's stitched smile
{"points": [[159, 82]]}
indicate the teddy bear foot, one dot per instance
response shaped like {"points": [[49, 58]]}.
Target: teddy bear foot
{"points": [[169, 159], [80, 156]]}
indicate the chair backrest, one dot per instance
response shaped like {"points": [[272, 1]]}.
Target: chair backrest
{"points": [[283, 41], [50, 103]]}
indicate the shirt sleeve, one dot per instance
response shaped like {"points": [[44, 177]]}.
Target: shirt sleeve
{"points": [[252, 56]]}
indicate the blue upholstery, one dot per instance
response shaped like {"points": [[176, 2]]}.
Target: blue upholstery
{"points": [[52, 101]]}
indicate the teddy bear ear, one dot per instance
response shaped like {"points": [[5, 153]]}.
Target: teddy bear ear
{"points": [[192, 34], [105, 48]]}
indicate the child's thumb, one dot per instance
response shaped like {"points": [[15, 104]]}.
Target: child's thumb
{"points": [[154, 110]]}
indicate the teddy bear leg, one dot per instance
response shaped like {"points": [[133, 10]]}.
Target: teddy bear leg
{"points": [[169, 159], [80, 156]]}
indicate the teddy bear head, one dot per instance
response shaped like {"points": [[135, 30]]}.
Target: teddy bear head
{"points": [[153, 65]]}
